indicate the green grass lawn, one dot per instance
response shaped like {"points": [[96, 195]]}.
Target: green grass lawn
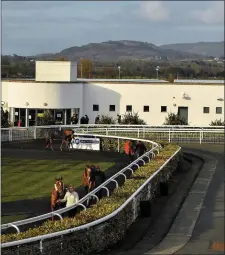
{"points": [[12, 218], [29, 178]]}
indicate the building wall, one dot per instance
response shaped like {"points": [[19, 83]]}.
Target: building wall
{"points": [[56, 95], [85, 95], [65, 71], [155, 96]]}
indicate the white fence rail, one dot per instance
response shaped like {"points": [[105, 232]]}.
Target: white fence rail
{"points": [[179, 134], [149, 155]]}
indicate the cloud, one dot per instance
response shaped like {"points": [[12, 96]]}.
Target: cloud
{"points": [[154, 11], [213, 14]]}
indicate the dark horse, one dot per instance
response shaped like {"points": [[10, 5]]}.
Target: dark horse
{"points": [[58, 192]]}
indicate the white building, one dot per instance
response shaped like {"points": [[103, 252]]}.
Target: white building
{"points": [[59, 90]]}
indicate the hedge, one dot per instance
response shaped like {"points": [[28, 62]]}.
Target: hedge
{"points": [[86, 241]]}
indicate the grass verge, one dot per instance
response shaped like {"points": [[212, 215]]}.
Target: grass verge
{"points": [[32, 179]]}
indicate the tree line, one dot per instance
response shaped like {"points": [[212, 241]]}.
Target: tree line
{"points": [[23, 67]]}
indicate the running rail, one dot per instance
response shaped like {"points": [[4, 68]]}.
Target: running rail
{"points": [[88, 225], [155, 148]]}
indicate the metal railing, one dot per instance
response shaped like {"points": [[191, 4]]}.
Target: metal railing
{"points": [[96, 222], [155, 148], [180, 134]]}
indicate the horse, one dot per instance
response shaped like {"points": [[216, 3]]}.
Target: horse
{"points": [[88, 180], [58, 192]]}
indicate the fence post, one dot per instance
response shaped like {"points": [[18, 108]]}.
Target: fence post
{"points": [[10, 135], [138, 133], [118, 145], [200, 133], [106, 131], [143, 132], [35, 133], [169, 136]]}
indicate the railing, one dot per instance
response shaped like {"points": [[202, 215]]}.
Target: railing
{"points": [[180, 134], [106, 218], [149, 155]]}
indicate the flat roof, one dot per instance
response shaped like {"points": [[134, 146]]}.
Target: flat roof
{"points": [[128, 81]]}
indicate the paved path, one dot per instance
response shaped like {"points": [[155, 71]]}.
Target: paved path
{"points": [[208, 234], [198, 226]]}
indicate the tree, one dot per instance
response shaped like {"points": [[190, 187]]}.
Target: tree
{"points": [[132, 119], [174, 119], [46, 119], [170, 78], [4, 118], [60, 58], [104, 119], [217, 123], [85, 68]]}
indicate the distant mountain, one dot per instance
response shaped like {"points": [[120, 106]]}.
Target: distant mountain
{"points": [[215, 49], [119, 50]]}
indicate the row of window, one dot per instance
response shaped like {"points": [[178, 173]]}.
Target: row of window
{"points": [[207, 110], [112, 108]]}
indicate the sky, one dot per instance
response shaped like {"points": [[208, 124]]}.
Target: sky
{"points": [[35, 27]]}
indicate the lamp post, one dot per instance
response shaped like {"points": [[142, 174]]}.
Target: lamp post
{"points": [[119, 71], [157, 72]]}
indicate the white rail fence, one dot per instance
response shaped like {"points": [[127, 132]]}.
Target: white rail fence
{"points": [[149, 155], [177, 134]]}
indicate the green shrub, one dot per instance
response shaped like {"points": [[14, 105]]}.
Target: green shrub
{"points": [[217, 123], [132, 119], [174, 119], [105, 206], [104, 119]]}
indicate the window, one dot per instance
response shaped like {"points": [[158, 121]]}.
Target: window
{"points": [[163, 108], [218, 110], [205, 109], [129, 108], [112, 108], [146, 108], [95, 107]]}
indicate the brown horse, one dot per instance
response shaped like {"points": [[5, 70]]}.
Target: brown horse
{"points": [[58, 192], [88, 180]]}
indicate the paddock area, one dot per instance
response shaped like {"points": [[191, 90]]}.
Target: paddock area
{"points": [[29, 171]]}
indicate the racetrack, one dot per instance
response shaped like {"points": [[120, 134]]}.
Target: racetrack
{"points": [[35, 149], [149, 236], [209, 226]]}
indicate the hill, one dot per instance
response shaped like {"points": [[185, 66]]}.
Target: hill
{"points": [[119, 50], [215, 49]]}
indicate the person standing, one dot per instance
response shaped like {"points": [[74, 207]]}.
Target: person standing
{"points": [[140, 149], [86, 119], [128, 149], [74, 119], [49, 139], [97, 119], [71, 198], [119, 119], [100, 178]]}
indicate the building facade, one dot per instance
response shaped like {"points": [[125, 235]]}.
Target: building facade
{"points": [[199, 103]]}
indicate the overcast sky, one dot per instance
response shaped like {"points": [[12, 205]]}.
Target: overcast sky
{"points": [[48, 27]]}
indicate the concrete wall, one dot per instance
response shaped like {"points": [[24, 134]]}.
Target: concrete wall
{"points": [[56, 95], [85, 95], [65, 71]]}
